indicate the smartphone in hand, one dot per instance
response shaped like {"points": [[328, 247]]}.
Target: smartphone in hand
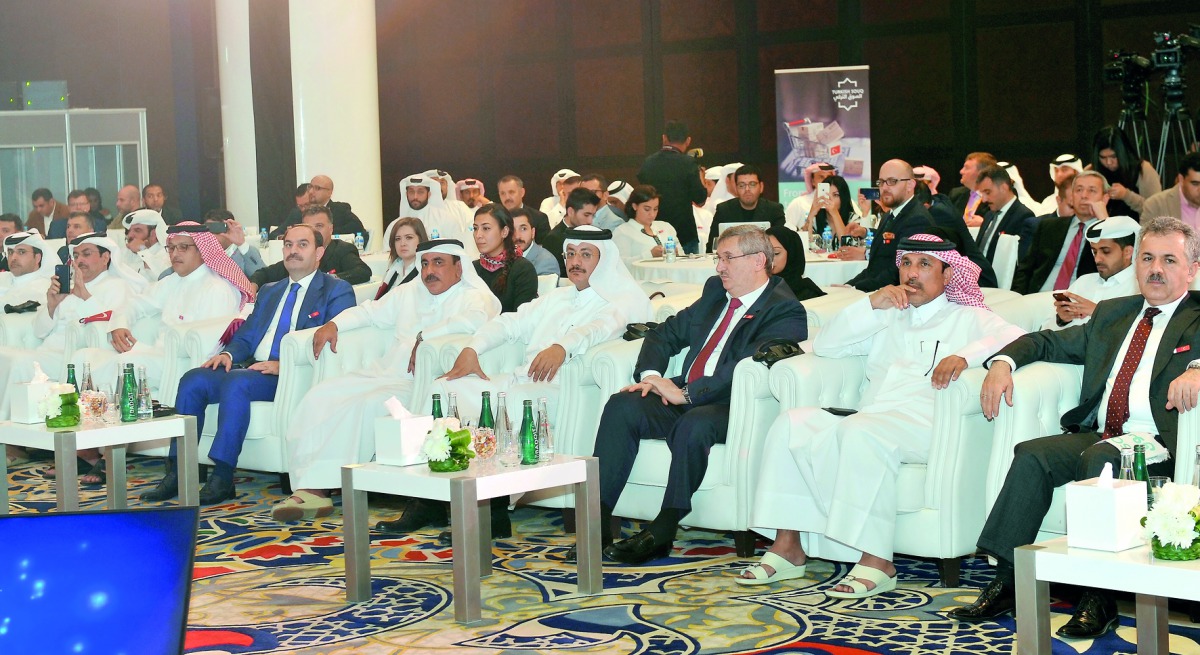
{"points": [[1062, 297], [871, 193], [63, 273]]}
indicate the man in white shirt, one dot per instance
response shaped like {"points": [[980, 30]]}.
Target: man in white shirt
{"points": [[1114, 245], [145, 232], [828, 484]]}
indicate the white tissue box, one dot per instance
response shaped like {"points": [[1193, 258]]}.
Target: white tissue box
{"points": [[25, 399], [398, 441], [1105, 518]]}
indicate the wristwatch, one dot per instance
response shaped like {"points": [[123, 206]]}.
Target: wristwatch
{"points": [[687, 396], [1195, 363]]}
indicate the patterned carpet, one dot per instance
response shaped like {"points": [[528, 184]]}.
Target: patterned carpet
{"points": [[264, 587]]}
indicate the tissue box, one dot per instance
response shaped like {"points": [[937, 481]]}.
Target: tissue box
{"points": [[398, 441], [1105, 518], [25, 398]]}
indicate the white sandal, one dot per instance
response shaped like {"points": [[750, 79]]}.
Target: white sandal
{"points": [[784, 570], [309, 506], [854, 579]]}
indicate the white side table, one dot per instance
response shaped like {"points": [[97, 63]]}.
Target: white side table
{"points": [[470, 518], [113, 439], [1136, 570]]}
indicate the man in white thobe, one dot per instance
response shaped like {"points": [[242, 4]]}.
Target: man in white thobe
{"points": [[828, 484], [449, 194], [554, 202], [1063, 167], [423, 199], [144, 251], [335, 422], [1114, 245], [204, 283]]}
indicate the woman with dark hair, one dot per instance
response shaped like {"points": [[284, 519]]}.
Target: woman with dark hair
{"points": [[1131, 179], [788, 262], [835, 209], [510, 276], [641, 236], [403, 236]]}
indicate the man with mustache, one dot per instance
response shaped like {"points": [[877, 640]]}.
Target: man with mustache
{"points": [[145, 234], [339, 259], [424, 199], [334, 425], [1139, 373], [828, 485], [248, 369], [563, 324], [1113, 242], [1058, 255]]}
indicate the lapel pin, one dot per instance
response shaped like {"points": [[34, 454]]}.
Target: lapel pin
{"points": [[314, 314], [1183, 349]]}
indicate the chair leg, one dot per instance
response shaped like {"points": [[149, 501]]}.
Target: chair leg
{"points": [[744, 541], [948, 570], [285, 483], [203, 473], [568, 517]]}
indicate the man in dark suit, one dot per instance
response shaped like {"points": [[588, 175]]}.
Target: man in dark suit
{"points": [[154, 197], [1058, 254], [741, 307], [1147, 345], [966, 199], [320, 192], [903, 219], [676, 177], [248, 369], [45, 210], [748, 207], [511, 190], [581, 209], [339, 258], [944, 216], [1006, 214]]}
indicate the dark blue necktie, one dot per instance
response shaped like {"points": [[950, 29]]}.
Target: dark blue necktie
{"points": [[285, 320]]}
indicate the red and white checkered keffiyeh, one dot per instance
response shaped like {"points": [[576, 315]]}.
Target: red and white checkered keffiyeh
{"points": [[963, 288], [215, 258]]}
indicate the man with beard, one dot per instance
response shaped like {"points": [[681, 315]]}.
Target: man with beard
{"points": [[320, 192], [423, 199], [904, 218], [512, 195]]}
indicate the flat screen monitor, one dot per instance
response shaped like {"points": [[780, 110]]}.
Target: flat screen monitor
{"points": [[96, 582]]}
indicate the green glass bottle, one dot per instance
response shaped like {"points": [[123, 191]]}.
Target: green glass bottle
{"points": [[529, 442], [1139, 472], [129, 396], [437, 406], [71, 377], [486, 420]]}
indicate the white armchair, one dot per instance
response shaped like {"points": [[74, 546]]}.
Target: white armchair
{"points": [[1005, 261], [821, 310], [1029, 312], [941, 503], [16, 331]]}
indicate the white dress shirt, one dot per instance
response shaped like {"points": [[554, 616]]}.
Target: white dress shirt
{"points": [[1141, 418], [1048, 285], [263, 352], [747, 299]]}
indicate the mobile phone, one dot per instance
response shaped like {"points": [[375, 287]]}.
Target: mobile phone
{"points": [[63, 273], [217, 227], [840, 411], [1062, 297], [871, 193], [823, 190]]}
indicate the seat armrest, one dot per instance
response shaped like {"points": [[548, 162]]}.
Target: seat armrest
{"points": [[1187, 437], [809, 380]]}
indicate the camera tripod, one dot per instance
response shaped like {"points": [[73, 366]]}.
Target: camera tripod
{"points": [[1135, 117], [1178, 135]]}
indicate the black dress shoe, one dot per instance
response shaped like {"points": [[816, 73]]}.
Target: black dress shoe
{"points": [[995, 600], [167, 488], [418, 513], [638, 549], [216, 490], [1095, 614], [501, 529], [573, 552]]}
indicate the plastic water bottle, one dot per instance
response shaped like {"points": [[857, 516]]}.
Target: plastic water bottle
{"points": [[669, 250], [263, 237], [870, 239], [546, 439], [359, 242], [145, 408], [433, 234], [827, 239]]}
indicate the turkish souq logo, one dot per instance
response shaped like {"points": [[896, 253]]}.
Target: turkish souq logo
{"points": [[847, 94]]}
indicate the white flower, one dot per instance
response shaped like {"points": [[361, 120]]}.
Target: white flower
{"points": [[436, 446], [1176, 498], [50, 406]]}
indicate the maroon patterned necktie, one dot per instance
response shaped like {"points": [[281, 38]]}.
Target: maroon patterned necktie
{"points": [[697, 369], [1118, 400]]}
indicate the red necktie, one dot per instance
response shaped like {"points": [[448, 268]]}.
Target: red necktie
{"points": [[1118, 400], [1068, 266], [697, 369]]}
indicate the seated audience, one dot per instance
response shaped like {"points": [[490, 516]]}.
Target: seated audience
{"points": [[828, 484], [402, 237], [835, 210], [788, 263], [1057, 256], [248, 369], [320, 193], [511, 190], [643, 237], [580, 209], [1134, 381], [155, 198], [145, 232], [903, 219], [1006, 214], [129, 198], [1063, 167], [233, 240], [748, 207], [1113, 242], [78, 224], [511, 277], [9, 224], [952, 228], [423, 199], [1130, 178], [607, 217], [338, 258], [967, 199], [45, 210], [1181, 200], [798, 212], [525, 237]]}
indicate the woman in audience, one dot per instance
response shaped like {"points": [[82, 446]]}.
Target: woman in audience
{"points": [[835, 210], [642, 236], [402, 236], [1132, 179], [788, 262], [510, 276]]}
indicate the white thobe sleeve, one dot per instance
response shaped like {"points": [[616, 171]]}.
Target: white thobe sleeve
{"points": [[468, 314], [607, 324], [512, 326], [147, 303], [850, 332], [383, 313], [994, 333]]}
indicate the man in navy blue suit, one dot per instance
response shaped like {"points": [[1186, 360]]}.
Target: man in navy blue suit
{"points": [[248, 369], [741, 307]]}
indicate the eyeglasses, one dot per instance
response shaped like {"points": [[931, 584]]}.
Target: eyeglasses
{"points": [[181, 248], [725, 259], [742, 186], [319, 188], [891, 181]]}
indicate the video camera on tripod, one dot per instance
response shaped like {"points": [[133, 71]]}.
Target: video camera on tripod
{"points": [[1168, 57]]}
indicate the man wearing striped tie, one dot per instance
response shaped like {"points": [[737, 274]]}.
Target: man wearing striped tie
{"points": [[1141, 370]]}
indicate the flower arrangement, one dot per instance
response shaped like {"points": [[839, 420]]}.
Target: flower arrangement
{"points": [[1171, 525], [60, 406], [448, 446]]}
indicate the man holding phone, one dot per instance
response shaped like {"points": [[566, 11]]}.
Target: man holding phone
{"points": [[1114, 245], [232, 237]]}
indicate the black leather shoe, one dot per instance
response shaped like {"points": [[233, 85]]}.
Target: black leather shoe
{"points": [[418, 514], [167, 488], [572, 554], [1095, 614], [997, 599], [638, 549], [216, 490], [501, 529]]}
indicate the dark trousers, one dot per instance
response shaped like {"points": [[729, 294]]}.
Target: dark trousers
{"points": [[234, 390], [691, 247], [1038, 467], [689, 430]]}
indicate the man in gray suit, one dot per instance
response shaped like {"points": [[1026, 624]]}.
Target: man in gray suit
{"points": [[1181, 200], [1123, 392]]}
